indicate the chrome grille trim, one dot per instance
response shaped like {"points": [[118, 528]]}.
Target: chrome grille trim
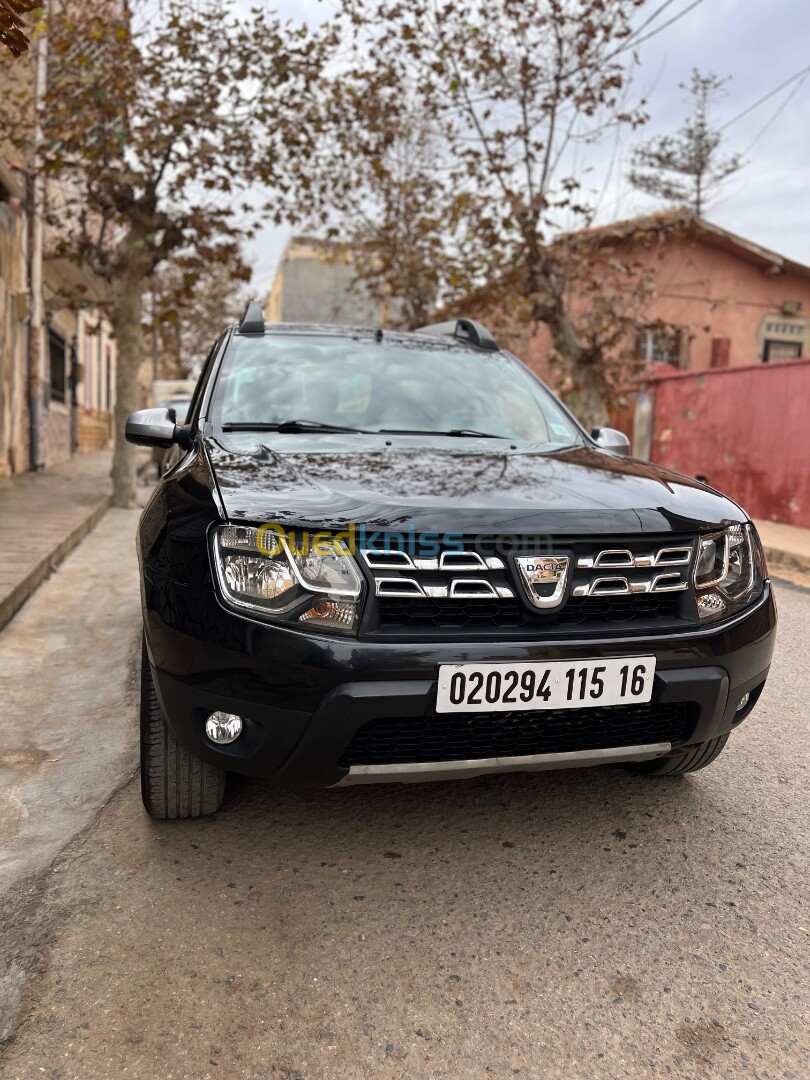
{"points": [[447, 560], [458, 589], [471, 589], [681, 556], [461, 560], [661, 583], [387, 560], [456, 592], [679, 586], [398, 587], [622, 558]]}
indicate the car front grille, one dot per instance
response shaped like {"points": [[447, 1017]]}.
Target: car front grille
{"points": [[468, 595], [463, 737], [446, 614]]}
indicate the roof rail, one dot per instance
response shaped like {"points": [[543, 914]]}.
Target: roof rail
{"points": [[253, 319], [467, 330]]}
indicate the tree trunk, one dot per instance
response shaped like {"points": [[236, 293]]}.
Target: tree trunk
{"points": [[126, 320], [588, 399]]}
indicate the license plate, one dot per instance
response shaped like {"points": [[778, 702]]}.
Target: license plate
{"points": [[558, 684]]}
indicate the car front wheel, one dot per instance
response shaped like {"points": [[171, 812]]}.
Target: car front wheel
{"points": [[687, 761], [174, 782]]}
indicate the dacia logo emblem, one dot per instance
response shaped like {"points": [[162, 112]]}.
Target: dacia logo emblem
{"points": [[543, 578]]}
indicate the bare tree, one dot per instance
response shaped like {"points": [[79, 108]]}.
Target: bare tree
{"points": [[153, 131], [502, 91], [397, 241], [189, 306], [686, 168]]}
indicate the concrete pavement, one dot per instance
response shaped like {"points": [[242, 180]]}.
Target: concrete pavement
{"points": [[43, 516], [69, 734], [588, 924]]}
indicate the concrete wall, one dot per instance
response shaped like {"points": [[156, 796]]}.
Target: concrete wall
{"points": [[315, 283], [746, 430]]}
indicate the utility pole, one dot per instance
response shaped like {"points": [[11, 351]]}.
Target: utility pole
{"points": [[36, 333], [155, 354]]}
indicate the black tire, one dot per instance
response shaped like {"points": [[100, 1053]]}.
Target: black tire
{"points": [[684, 762], [174, 782]]}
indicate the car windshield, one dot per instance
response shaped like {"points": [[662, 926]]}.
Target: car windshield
{"points": [[392, 387]]}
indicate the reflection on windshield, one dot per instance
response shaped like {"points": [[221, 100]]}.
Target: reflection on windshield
{"points": [[372, 386]]}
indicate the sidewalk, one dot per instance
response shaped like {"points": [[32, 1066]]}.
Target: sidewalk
{"points": [[785, 545], [43, 516]]}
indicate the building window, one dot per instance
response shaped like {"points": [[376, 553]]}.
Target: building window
{"points": [[781, 350], [784, 338], [58, 359], [660, 345]]}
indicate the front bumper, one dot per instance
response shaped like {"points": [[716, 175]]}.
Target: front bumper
{"points": [[303, 696]]}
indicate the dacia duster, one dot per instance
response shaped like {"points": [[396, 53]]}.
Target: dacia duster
{"points": [[385, 556]]}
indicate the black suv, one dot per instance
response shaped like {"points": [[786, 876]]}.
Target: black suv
{"points": [[396, 556]]}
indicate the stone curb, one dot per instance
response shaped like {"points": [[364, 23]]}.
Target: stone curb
{"points": [[13, 601], [791, 560]]}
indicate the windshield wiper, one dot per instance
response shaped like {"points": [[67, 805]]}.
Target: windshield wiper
{"points": [[454, 432], [293, 427]]}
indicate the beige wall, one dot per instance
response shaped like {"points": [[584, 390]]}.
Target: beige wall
{"points": [[316, 283], [59, 279], [95, 393], [13, 312]]}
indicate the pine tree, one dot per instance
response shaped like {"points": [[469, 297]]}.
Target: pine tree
{"points": [[685, 168]]}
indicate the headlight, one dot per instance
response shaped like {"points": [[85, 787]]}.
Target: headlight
{"points": [[315, 582], [729, 572]]}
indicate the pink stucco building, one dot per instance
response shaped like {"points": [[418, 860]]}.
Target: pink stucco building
{"points": [[717, 299]]}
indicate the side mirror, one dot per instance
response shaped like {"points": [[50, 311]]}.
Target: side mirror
{"points": [[155, 427], [608, 438]]}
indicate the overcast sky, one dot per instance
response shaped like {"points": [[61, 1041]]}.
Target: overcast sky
{"points": [[760, 44]]}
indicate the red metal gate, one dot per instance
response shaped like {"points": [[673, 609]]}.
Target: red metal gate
{"points": [[747, 430]]}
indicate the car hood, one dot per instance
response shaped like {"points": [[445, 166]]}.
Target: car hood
{"points": [[330, 482]]}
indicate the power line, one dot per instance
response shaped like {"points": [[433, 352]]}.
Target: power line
{"points": [[771, 93], [780, 109], [633, 41]]}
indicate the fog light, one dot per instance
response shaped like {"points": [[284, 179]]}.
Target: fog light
{"points": [[743, 702], [223, 727], [332, 614], [710, 605]]}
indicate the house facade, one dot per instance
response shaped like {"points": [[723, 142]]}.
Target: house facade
{"points": [[57, 372], [75, 392], [716, 299]]}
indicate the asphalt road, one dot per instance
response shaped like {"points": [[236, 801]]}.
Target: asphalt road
{"points": [[578, 924]]}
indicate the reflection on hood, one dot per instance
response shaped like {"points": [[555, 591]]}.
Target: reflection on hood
{"points": [[331, 481]]}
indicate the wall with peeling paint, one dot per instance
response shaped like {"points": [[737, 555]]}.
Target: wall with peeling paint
{"points": [[746, 429]]}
